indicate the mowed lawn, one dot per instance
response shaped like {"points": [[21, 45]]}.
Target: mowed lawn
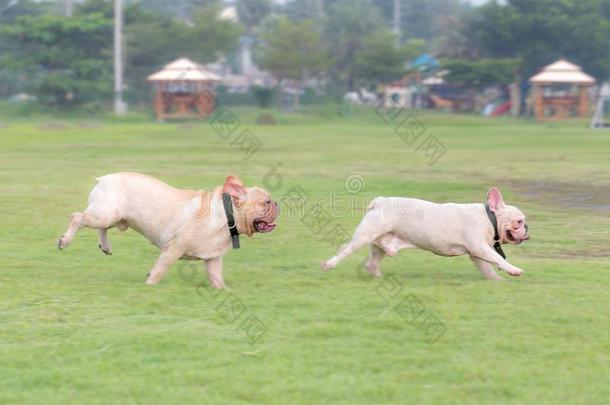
{"points": [[77, 326]]}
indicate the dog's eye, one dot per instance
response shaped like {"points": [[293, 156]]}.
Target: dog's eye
{"points": [[520, 222]]}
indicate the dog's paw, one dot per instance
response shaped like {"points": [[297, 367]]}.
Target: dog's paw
{"points": [[325, 266], [106, 251], [515, 272], [217, 286], [151, 279], [61, 242], [374, 271]]}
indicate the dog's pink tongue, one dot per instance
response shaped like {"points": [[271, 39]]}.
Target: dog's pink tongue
{"points": [[268, 227]]}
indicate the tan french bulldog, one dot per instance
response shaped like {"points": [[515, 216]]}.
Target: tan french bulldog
{"points": [[391, 224], [187, 224]]}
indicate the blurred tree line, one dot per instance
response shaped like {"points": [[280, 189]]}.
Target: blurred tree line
{"points": [[66, 61]]}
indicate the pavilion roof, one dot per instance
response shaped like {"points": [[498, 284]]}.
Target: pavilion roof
{"points": [[184, 69], [562, 71]]}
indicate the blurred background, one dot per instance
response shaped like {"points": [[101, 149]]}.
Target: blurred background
{"points": [[184, 58]]}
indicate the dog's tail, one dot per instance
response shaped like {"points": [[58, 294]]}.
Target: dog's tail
{"points": [[373, 204], [98, 179]]}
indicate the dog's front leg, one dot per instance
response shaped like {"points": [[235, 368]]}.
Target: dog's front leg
{"points": [[167, 257], [491, 256], [214, 268], [486, 269]]}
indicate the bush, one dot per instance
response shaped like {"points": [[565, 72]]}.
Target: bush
{"points": [[266, 118], [262, 95]]}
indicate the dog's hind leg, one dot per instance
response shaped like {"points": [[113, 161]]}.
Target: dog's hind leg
{"points": [[386, 245], [88, 219], [76, 221], [376, 254], [391, 244], [103, 242], [368, 230], [102, 213]]}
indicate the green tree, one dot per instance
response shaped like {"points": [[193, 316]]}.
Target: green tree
{"points": [[155, 39], [414, 48], [70, 56], [379, 59], [15, 76], [210, 37], [292, 51], [454, 40], [422, 18], [67, 61], [299, 10], [347, 24], [152, 40], [542, 31], [252, 12], [11, 9], [182, 9], [480, 73]]}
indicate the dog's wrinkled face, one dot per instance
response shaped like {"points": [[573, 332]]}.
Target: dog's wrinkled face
{"points": [[511, 221], [255, 206], [262, 209]]}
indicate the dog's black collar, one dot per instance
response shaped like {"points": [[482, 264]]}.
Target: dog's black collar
{"points": [[228, 204], [492, 218]]}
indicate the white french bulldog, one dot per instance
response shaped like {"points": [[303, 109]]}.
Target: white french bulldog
{"points": [[393, 223], [183, 224]]}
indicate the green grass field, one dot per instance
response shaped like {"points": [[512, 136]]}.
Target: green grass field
{"points": [[80, 327]]}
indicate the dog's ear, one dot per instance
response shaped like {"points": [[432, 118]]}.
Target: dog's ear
{"points": [[494, 199], [235, 188]]}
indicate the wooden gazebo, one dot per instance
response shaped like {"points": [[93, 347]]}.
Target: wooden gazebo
{"points": [[561, 91], [183, 90]]}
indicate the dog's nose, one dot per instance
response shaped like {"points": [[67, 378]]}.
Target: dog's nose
{"points": [[526, 227]]}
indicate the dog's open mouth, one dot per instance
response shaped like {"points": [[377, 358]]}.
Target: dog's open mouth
{"points": [[263, 226], [512, 239]]}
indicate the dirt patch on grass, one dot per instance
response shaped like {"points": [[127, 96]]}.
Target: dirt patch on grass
{"points": [[589, 254], [53, 126], [90, 124], [565, 195], [592, 252]]}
